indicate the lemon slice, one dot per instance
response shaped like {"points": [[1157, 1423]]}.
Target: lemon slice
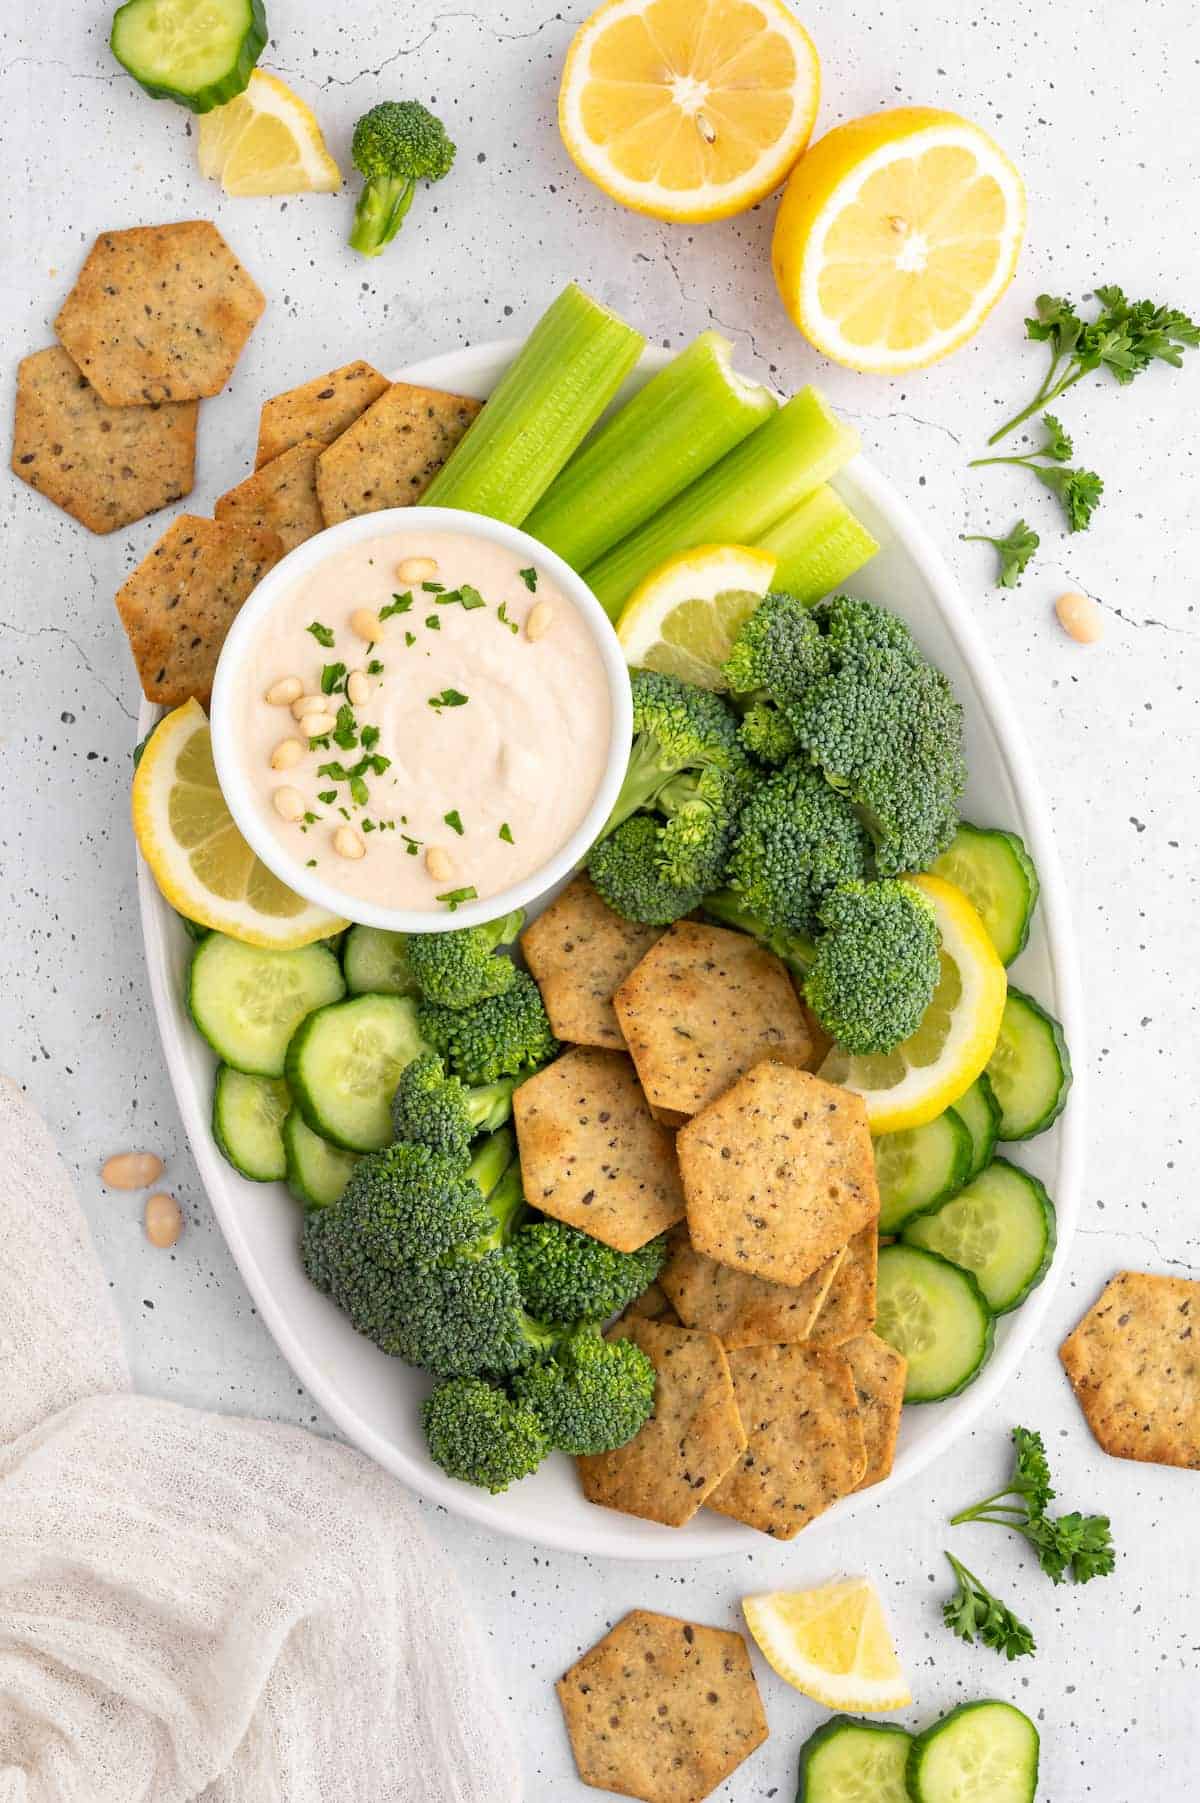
{"points": [[684, 617], [266, 142], [197, 857], [926, 1074], [896, 236], [832, 1643], [689, 110]]}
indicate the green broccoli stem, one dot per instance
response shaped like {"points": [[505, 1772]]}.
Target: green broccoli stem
{"points": [[380, 212], [644, 780], [490, 1105], [796, 951], [492, 1160]]}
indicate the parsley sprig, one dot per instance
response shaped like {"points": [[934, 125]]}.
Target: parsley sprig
{"points": [[973, 1613], [1080, 1545], [1078, 490], [1014, 551]]}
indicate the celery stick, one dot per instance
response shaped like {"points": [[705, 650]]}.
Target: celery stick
{"points": [[544, 404], [673, 429], [738, 499], [819, 545]]}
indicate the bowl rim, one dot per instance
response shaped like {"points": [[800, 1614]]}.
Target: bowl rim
{"points": [[235, 782]]}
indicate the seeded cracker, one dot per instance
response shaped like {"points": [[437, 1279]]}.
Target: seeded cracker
{"points": [[106, 466], [849, 1307], [1134, 1364], [693, 1437], [179, 603], [805, 1439], [391, 453], [591, 1153], [320, 409], [879, 1372], [579, 952], [662, 1709], [652, 1305], [742, 1310], [280, 497], [159, 313]]}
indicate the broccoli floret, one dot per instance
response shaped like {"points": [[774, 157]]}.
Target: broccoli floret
{"points": [[395, 145], [459, 968], [566, 1275], [777, 653], [409, 1204], [591, 1395], [334, 1259], [766, 734], [465, 1316], [797, 839], [481, 1436], [850, 625], [506, 1035], [625, 870], [438, 1111], [875, 966]]}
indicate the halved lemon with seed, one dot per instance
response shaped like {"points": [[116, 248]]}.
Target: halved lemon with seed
{"points": [[832, 1643], [684, 617], [689, 109], [896, 236], [927, 1073], [196, 855], [267, 141]]}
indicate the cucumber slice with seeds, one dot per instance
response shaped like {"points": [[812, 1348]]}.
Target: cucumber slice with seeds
{"points": [[981, 1753], [197, 52], [1030, 1069], [247, 1118], [1001, 1227], [920, 1167], [850, 1761], [317, 1172], [997, 874], [248, 1002], [376, 963], [979, 1112], [344, 1063], [937, 1316]]}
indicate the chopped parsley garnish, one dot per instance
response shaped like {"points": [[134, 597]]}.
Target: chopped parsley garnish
{"points": [[328, 796], [506, 834], [434, 588], [466, 597], [368, 826], [454, 821], [529, 578], [310, 819], [337, 771], [433, 623], [310, 863], [333, 679], [399, 604], [358, 791], [322, 634], [369, 737], [345, 733], [374, 668], [411, 846], [448, 698], [454, 898], [410, 638], [502, 616]]}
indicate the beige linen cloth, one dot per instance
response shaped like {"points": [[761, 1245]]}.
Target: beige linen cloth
{"points": [[198, 1607]]}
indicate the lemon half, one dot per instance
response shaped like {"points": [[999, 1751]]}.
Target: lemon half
{"points": [[684, 617], [832, 1643]]}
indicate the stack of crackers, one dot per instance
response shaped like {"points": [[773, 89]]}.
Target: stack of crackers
{"points": [[688, 1105]]}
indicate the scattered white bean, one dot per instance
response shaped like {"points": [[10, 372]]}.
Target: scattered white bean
{"points": [[309, 704], [541, 619], [131, 1170], [347, 844], [287, 754], [1080, 618], [288, 802], [315, 726], [357, 687], [417, 569], [438, 864], [164, 1220], [366, 624], [285, 691]]}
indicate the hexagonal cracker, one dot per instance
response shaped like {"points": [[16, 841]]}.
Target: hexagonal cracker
{"points": [[390, 454], [778, 1173], [662, 1709], [591, 1152], [1134, 1365], [878, 1371], [740, 1309], [579, 951], [703, 1007], [320, 409], [280, 497], [159, 313], [106, 466], [848, 1309]]}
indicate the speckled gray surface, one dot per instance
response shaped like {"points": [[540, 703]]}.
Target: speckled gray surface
{"points": [[1097, 105]]}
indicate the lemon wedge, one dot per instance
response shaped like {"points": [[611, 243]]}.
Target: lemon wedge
{"points": [[689, 111], [927, 1073], [832, 1643], [196, 855], [267, 141], [683, 618], [896, 236]]}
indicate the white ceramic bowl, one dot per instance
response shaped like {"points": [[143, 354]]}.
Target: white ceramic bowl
{"points": [[235, 780], [372, 1399]]}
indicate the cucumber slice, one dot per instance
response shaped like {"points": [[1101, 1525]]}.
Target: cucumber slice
{"points": [[1002, 1227], [198, 52], [1030, 1069], [344, 1063], [981, 1753], [996, 873], [936, 1315], [979, 1112], [317, 1172], [376, 963], [920, 1167], [849, 1761], [247, 1116], [248, 1002]]}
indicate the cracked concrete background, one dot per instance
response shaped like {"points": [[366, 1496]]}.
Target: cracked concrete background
{"points": [[1097, 104]]}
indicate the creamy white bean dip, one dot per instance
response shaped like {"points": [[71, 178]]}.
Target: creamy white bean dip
{"points": [[443, 759]]}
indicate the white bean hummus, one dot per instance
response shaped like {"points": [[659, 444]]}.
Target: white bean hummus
{"points": [[423, 719]]}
